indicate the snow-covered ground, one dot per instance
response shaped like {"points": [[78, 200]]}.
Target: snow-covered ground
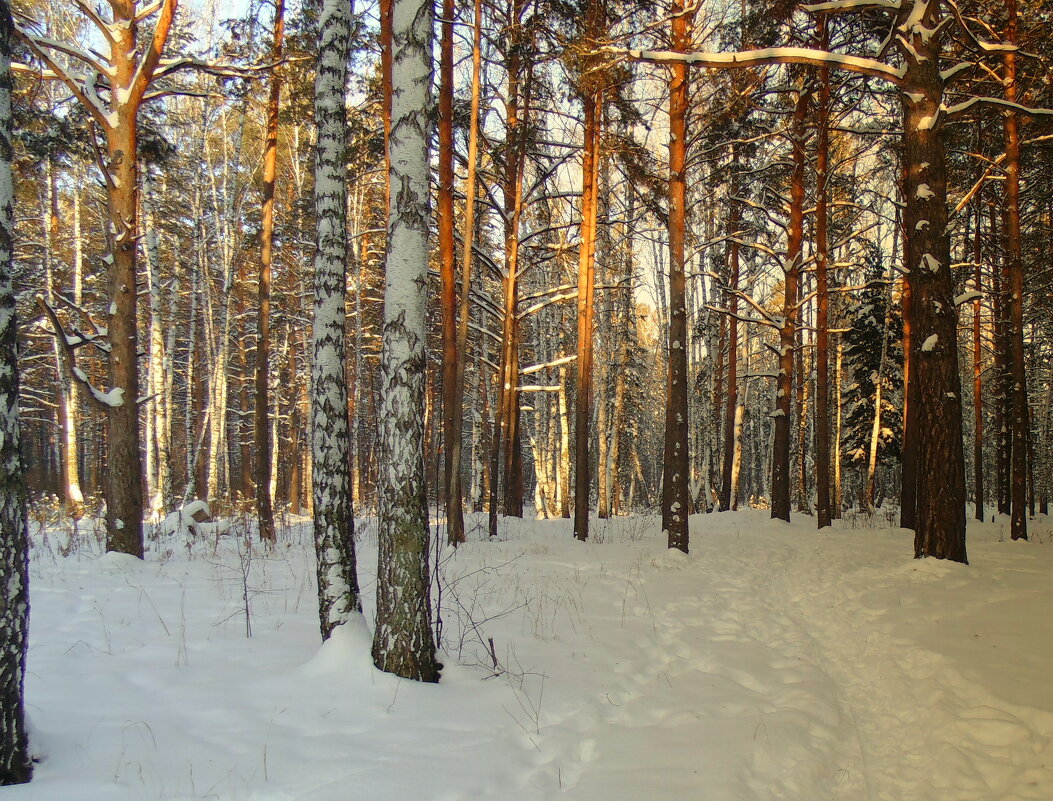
{"points": [[774, 662]]}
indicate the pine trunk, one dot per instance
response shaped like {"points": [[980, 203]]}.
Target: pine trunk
{"points": [[675, 477], [262, 431], [780, 471]]}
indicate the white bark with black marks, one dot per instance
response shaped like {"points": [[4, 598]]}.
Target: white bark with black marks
{"points": [[16, 767], [334, 530], [403, 641]]}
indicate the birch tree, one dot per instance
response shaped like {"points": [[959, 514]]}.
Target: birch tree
{"points": [[334, 529], [403, 642], [16, 766]]}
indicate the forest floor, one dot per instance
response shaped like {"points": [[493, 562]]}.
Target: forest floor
{"points": [[774, 662]]}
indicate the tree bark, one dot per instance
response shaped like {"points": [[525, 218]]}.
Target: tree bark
{"points": [[727, 500], [451, 356], [822, 299], [586, 289], [403, 642], [16, 764], [334, 523], [675, 478], [1020, 425], [261, 418], [780, 472], [937, 421]]}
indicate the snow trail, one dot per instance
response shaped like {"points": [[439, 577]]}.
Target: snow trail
{"points": [[774, 662]]}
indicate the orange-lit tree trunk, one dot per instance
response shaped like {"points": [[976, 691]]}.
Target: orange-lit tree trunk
{"points": [[1019, 422], [586, 288], [448, 278], [506, 460], [675, 475], [456, 533], [978, 409], [822, 300], [130, 73], [262, 436], [780, 464]]}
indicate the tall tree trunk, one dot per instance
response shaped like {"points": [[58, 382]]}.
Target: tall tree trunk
{"points": [[505, 460], [822, 299], [676, 478], [403, 642], [727, 500], [451, 356], [159, 479], [454, 513], [978, 410], [1020, 425], [586, 290], [334, 523], [936, 422], [16, 764], [262, 435], [780, 472]]}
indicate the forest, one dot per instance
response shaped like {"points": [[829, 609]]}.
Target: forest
{"points": [[429, 271]]}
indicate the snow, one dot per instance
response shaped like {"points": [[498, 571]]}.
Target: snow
{"points": [[930, 263], [929, 344], [773, 662]]}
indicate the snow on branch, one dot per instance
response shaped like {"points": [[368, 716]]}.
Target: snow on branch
{"points": [[995, 102], [111, 398], [767, 57], [537, 368], [77, 84], [841, 6]]}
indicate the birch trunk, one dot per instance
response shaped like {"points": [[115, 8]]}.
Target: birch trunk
{"points": [[16, 764], [334, 524], [403, 642]]}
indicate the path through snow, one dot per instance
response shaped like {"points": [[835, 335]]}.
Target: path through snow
{"points": [[774, 662]]}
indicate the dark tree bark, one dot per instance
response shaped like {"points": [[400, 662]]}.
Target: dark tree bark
{"points": [[675, 475], [939, 524], [727, 499], [822, 300], [1019, 422], [16, 765], [978, 409]]}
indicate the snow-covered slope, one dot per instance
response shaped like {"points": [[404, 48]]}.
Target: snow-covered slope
{"points": [[774, 662]]}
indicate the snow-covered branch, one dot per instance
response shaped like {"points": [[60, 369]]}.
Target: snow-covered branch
{"points": [[111, 398], [75, 83], [536, 368], [745, 59], [994, 102]]}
